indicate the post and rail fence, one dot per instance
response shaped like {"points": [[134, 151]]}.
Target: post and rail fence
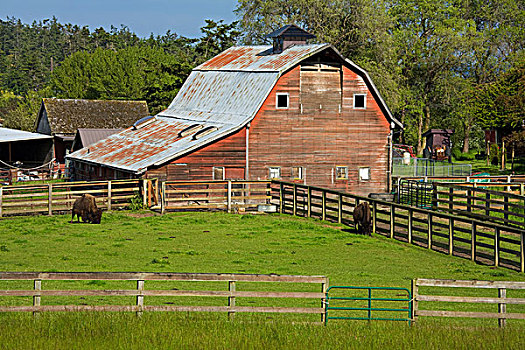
{"points": [[148, 289]]}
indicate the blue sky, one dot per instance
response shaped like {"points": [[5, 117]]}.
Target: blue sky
{"points": [[143, 17]]}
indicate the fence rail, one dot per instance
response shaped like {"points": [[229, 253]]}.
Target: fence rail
{"points": [[501, 300], [481, 241], [141, 292], [59, 197]]}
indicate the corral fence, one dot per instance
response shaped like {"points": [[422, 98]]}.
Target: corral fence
{"points": [[227, 195], [415, 193], [59, 197], [429, 167], [482, 241], [435, 304], [234, 296]]}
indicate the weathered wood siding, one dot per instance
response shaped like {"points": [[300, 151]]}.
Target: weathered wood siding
{"points": [[229, 153], [323, 134]]}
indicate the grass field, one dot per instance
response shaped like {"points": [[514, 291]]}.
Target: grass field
{"points": [[220, 242]]}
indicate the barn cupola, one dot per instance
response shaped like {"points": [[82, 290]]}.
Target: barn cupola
{"points": [[287, 36]]}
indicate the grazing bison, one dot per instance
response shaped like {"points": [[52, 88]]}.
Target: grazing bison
{"points": [[363, 219], [85, 207]]}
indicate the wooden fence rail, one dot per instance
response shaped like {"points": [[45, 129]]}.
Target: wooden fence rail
{"points": [[485, 204], [462, 179], [501, 300], [59, 197], [481, 241], [230, 195], [231, 295]]}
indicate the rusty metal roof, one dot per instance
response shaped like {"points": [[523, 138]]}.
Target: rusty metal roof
{"points": [[225, 92]]}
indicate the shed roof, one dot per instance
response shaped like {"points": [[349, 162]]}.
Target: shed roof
{"points": [[67, 115], [221, 95], [13, 135], [438, 131]]}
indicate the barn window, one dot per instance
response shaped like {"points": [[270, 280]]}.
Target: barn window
{"points": [[275, 172], [359, 101], [218, 173], [297, 172], [281, 101], [364, 174], [341, 172]]}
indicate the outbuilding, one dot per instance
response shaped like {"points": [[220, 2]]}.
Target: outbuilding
{"points": [[292, 111]]}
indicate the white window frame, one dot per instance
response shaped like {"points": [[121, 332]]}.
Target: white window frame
{"points": [[300, 173], [364, 173], [277, 95], [223, 172], [345, 172], [274, 168], [354, 106]]}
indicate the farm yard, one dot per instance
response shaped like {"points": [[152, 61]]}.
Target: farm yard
{"points": [[228, 243]]}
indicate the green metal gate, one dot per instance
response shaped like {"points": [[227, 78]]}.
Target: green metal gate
{"points": [[344, 307]]}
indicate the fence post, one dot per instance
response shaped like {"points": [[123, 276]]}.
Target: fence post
{"points": [[144, 193], [496, 247], [392, 224], [414, 291], [163, 197], [473, 242], [324, 206], [506, 209], [410, 217], [435, 197], [469, 200], [309, 200], [340, 208], [429, 232], [502, 307], [324, 288], [450, 236], [109, 195], [281, 197], [522, 189], [49, 199], [522, 252], [374, 217], [140, 296], [487, 204], [231, 299], [451, 199], [1, 200], [37, 286], [229, 196], [294, 200]]}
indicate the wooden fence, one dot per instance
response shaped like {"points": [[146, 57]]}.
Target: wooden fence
{"points": [[501, 300], [485, 204], [142, 291], [462, 179], [484, 242], [227, 195], [59, 197]]}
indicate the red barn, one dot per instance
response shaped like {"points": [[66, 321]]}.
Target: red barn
{"points": [[294, 111]]}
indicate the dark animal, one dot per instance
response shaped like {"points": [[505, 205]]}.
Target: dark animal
{"points": [[85, 207], [363, 219]]}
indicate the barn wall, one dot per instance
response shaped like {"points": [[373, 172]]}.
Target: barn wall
{"points": [[229, 153], [320, 139]]}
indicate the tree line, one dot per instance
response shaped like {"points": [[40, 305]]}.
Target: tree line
{"points": [[438, 64]]}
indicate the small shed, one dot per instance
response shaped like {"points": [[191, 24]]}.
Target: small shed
{"points": [[438, 144], [24, 147]]}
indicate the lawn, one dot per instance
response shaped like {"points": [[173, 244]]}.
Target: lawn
{"points": [[220, 242]]}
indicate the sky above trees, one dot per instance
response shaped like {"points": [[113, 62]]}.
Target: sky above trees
{"points": [[142, 17]]}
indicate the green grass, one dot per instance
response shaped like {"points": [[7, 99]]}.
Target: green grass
{"points": [[220, 242]]}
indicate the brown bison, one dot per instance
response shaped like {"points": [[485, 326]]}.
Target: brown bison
{"points": [[363, 219], [85, 207]]}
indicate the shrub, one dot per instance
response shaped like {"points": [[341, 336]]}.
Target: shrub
{"points": [[458, 155], [494, 154]]}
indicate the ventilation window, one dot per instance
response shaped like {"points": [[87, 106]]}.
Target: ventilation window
{"points": [[190, 129], [218, 173], [297, 173], [205, 132], [275, 172], [281, 101], [143, 122], [341, 173], [364, 174], [359, 101]]}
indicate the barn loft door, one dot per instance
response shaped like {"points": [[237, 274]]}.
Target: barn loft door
{"points": [[321, 87]]}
